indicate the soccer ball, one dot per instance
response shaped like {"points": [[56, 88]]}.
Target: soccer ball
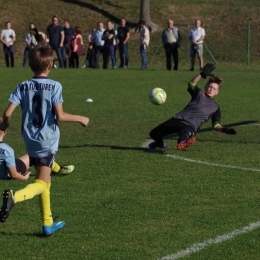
{"points": [[157, 96]]}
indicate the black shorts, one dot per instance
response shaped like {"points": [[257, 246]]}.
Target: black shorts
{"points": [[20, 166], [47, 160]]}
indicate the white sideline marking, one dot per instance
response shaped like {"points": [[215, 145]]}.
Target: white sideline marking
{"points": [[145, 145], [199, 246]]}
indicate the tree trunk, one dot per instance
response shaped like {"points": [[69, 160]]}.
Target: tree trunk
{"points": [[145, 15]]}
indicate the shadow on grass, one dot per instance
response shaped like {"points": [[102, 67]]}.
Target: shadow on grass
{"points": [[39, 235], [161, 151], [113, 147], [101, 11]]}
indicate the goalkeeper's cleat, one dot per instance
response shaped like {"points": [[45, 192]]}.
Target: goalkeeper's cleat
{"points": [[153, 145], [49, 230], [8, 204], [191, 141], [66, 169]]}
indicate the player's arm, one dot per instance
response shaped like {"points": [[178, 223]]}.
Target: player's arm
{"points": [[7, 116], [225, 130], [206, 71], [218, 127], [65, 117], [196, 79], [16, 175]]}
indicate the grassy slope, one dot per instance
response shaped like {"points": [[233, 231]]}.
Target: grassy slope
{"points": [[225, 21]]}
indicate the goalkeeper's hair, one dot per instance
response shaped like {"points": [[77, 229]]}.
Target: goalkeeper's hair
{"points": [[215, 79]]}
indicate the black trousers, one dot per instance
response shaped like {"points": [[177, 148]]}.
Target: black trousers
{"points": [[74, 60], [98, 50], [172, 126], [171, 51]]}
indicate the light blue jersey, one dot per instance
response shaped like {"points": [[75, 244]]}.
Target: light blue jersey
{"points": [[38, 97], [7, 160]]}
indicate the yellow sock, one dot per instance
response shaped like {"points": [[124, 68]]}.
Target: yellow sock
{"points": [[45, 203], [55, 167], [30, 191]]}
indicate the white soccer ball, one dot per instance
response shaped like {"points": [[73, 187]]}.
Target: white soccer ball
{"points": [[157, 96]]}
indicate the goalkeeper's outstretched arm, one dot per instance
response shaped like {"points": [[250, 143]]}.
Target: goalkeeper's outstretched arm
{"points": [[225, 130]]}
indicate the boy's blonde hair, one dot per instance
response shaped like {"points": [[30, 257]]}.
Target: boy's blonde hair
{"points": [[40, 57]]}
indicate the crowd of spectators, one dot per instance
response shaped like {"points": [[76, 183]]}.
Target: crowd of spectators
{"points": [[67, 42]]}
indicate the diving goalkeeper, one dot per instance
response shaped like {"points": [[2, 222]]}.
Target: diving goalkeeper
{"points": [[200, 109]]}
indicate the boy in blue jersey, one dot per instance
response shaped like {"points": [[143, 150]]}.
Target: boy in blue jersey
{"points": [[200, 109], [17, 169], [41, 103]]}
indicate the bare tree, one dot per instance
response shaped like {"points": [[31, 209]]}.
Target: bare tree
{"points": [[145, 15]]}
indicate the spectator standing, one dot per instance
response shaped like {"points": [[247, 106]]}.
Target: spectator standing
{"points": [[89, 56], [197, 35], [144, 43], [171, 40], [68, 34], [76, 48], [27, 45], [114, 40], [33, 42], [8, 38], [108, 37], [98, 45], [55, 34], [39, 36], [123, 36]]}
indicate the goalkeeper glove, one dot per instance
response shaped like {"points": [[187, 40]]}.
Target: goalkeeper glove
{"points": [[229, 131], [206, 71]]}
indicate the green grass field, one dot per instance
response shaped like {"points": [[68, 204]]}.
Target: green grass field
{"points": [[124, 201]]}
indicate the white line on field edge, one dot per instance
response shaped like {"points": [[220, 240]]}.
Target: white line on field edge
{"points": [[177, 157], [199, 246]]}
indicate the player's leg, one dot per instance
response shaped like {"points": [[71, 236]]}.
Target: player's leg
{"points": [[186, 137], [49, 225], [65, 169], [26, 160], [10, 198], [31, 190], [168, 127], [22, 165]]}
